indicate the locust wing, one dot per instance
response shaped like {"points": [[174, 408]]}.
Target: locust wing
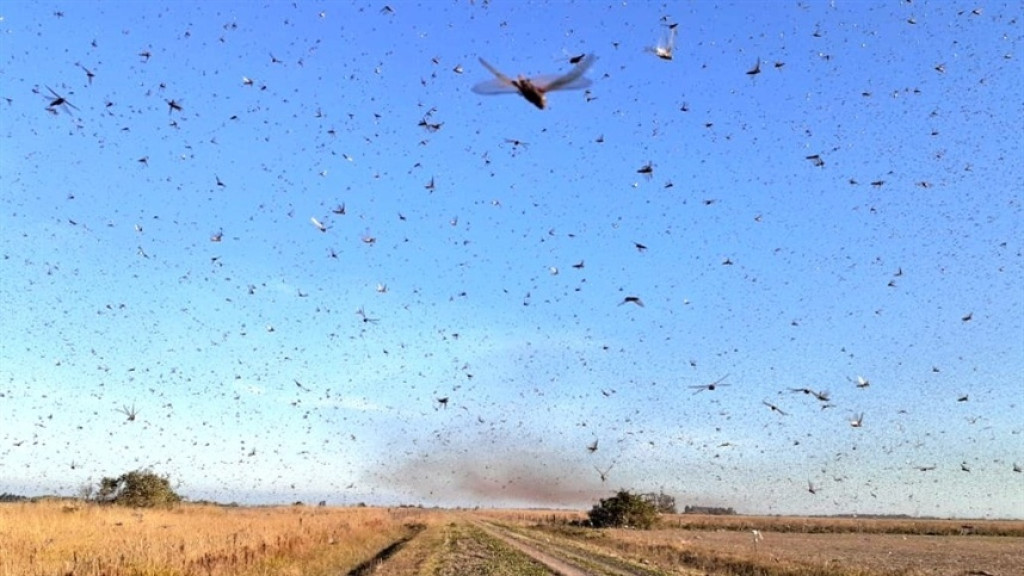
{"points": [[574, 80], [501, 84]]}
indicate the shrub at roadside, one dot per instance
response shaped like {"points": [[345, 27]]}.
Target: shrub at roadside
{"points": [[624, 510], [138, 489]]}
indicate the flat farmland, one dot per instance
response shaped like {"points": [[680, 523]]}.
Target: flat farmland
{"points": [[801, 546], [69, 539]]}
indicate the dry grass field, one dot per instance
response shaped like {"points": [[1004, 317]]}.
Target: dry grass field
{"points": [[60, 538], [67, 539]]}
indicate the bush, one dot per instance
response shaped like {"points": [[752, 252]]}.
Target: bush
{"points": [[662, 502], [138, 489], [624, 510]]}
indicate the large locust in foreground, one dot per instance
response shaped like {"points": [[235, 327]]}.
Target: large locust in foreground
{"points": [[535, 89]]}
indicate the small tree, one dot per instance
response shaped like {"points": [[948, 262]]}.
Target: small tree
{"points": [[623, 510], [138, 489], [662, 502], [86, 492]]}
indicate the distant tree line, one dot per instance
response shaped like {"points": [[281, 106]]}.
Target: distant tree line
{"points": [[713, 510], [7, 497]]}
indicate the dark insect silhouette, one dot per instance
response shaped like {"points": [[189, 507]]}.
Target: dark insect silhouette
{"points": [[709, 387], [89, 74], [129, 412], [756, 69], [443, 402], [592, 447], [535, 89], [366, 319], [821, 396], [58, 100], [632, 300], [604, 473], [774, 407], [430, 126]]}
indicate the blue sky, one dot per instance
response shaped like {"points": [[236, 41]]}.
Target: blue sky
{"points": [[255, 379]]}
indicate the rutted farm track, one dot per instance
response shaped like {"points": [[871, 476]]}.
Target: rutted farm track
{"points": [[370, 566], [566, 557], [478, 548]]}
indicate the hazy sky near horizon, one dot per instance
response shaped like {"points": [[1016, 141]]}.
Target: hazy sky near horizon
{"points": [[849, 213]]}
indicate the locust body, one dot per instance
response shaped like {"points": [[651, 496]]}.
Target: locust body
{"points": [[535, 89]]}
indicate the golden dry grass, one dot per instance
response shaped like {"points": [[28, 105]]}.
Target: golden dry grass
{"points": [[73, 539], [837, 525], [64, 539]]}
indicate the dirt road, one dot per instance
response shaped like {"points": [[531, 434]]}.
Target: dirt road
{"points": [[477, 548], [563, 560]]}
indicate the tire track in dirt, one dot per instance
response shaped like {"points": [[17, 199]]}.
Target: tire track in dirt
{"points": [[552, 563], [563, 560], [459, 548], [367, 568]]}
